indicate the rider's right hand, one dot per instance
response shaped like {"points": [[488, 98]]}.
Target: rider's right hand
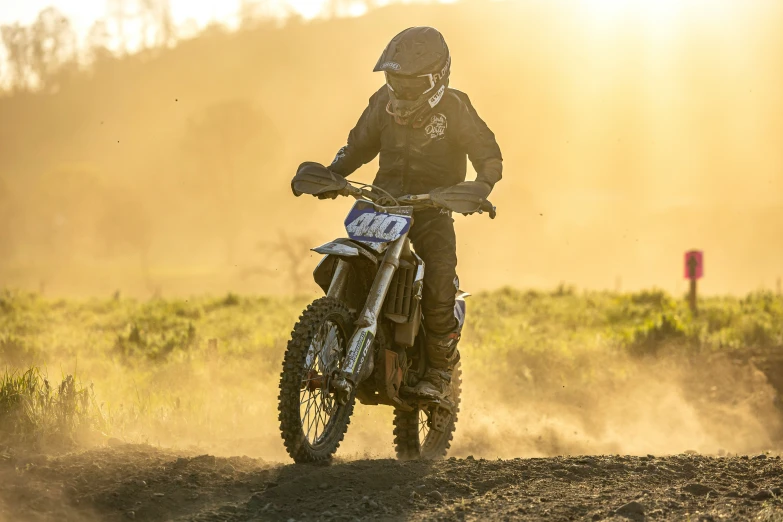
{"points": [[328, 195]]}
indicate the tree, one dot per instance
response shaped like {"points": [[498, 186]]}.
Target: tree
{"points": [[66, 202], [248, 14], [6, 217], [97, 42], [292, 254], [53, 46], [123, 227], [228, 146], [17, 40], [118, 15], [156, 23], [39, 55]]}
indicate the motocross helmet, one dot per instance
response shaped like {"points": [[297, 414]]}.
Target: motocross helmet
{"points": [[417, 64]]}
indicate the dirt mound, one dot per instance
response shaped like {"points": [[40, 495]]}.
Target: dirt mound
{"points": [[139, 482]]}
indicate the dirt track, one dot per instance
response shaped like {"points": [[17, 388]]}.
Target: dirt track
{"points": [[144, 483]]}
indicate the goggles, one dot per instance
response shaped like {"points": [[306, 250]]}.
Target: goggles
{"points": [[410, 88]]}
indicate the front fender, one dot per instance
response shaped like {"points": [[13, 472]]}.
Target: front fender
{"points": [[361, 258], [337, 249]]}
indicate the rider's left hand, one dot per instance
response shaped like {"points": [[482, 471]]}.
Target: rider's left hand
{"points": [[488, 187], [479, 189]]}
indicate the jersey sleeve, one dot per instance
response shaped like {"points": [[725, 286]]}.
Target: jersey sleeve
{"points": [[479, 143], [364, 141]]}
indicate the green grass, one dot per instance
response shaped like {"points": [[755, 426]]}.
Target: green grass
{"points": [[35, 413], [154, 377]]}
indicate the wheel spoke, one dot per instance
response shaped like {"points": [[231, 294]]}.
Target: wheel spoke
{"points": [[313, 422], [423, 428], [315, 402], [318, 420], [310, 403]]}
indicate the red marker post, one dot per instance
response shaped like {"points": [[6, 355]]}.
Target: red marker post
{"points": [[694, 270]]}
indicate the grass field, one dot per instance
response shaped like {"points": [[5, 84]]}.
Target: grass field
{"points": [[545, 373]]}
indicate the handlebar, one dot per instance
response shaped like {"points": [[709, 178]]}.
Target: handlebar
{"points": [[462, 198], [416, 200], [419, 201], [359, 193]]}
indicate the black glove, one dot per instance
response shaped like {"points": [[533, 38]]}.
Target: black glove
{"points": [[479, 189], [464, 198], [332, 194], [487, 186]]}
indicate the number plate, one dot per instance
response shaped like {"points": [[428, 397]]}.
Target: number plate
{"points": [[366, 223]]}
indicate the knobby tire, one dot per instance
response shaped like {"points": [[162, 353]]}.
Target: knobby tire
{"points": [[436, 444], [325, 310]]}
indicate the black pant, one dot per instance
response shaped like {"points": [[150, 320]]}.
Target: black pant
{"points": [[434, 240]]}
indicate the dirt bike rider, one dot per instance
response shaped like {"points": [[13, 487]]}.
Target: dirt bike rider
{"points": [[423, 131]]}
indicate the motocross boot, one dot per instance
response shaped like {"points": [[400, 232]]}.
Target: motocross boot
{"points": [[442, 355]]}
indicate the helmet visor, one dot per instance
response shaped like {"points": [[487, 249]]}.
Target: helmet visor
{"points": [[409, 88]]}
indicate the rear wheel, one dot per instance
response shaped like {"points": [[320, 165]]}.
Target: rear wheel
{"points": [[415, 436], [312, 422]]}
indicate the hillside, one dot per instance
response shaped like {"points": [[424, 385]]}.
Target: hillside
{"points": [[168, 171]]}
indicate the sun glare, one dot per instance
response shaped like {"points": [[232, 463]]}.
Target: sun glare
{"points": [[660, 17]]}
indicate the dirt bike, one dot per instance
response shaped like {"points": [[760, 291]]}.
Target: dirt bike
{"points": [[365, 340]]}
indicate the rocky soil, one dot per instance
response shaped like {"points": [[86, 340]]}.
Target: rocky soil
{"points": [[138, 482]]}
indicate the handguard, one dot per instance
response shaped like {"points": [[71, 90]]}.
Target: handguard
{"points": [[464, 198], [315, 179]]}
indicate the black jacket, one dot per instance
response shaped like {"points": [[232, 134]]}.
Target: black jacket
{"points": [[415, 160]]}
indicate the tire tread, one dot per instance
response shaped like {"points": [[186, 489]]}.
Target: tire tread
{"points": [[294, 439]]}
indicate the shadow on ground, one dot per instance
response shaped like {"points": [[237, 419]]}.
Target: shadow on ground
{"points": [[139, 482]]}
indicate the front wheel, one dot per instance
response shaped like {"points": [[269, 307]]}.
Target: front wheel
{"points": [[312, 422], [415, 436]]}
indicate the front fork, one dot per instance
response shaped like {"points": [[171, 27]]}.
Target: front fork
{"points": [[367, 324]]}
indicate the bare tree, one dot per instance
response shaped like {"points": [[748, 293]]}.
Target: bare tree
{"points": [[68, 198], [293, 252], [17, 40], [124, 228], [42, 54], [248, 13], [228, 145], [335, 8], [118, 14], [156, 23], [53, 46], [97, 43], [6, 216]]}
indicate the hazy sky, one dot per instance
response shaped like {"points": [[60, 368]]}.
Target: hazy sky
{"points": [[189, 15], [84, 12]]}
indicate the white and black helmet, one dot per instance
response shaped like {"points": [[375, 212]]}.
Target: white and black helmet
{"points": [[417, 64]]}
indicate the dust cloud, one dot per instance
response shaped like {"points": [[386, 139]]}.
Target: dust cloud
{"points": [[201, 375], [659, 406], [608, 405], [537, 406], [627, 140], [629, 136]]}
